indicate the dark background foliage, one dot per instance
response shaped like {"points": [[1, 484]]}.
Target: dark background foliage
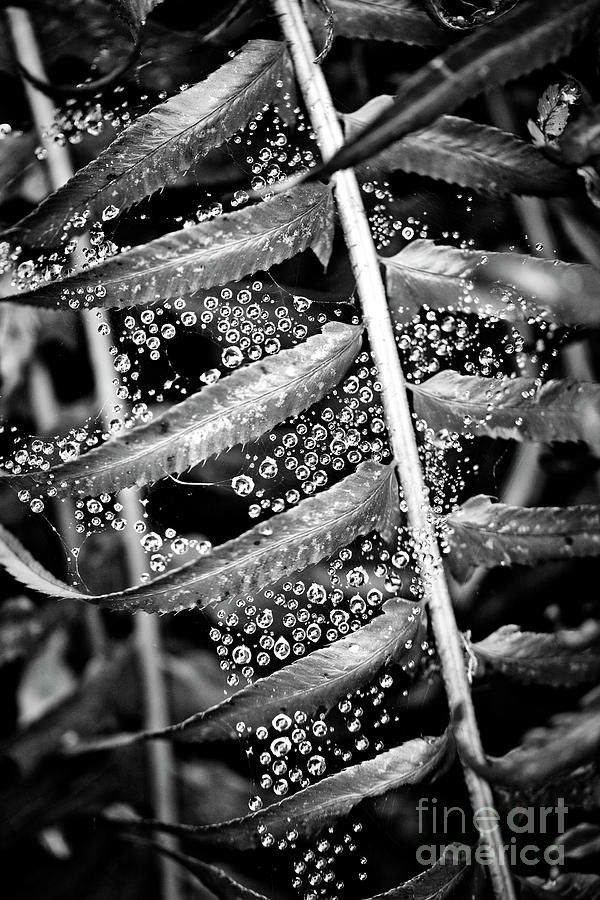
{"points": [[57, 849]]}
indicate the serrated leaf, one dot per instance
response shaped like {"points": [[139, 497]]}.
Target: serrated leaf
{"points": [[209, 254], [314, 808], [516, 287], [384, 20], [288, 542], [163, 144], [554, 109], [436, 883], [483, 533], [530, 658], [234, 410], [564, 293], [462, 152], [517, 409], [579, 789], [311, 684], [527, 38]]}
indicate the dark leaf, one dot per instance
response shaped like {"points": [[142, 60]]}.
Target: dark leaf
{"points": [[383, 20], [134, 12], [316, 682], [529, 37], [212, 253], [289, 542], [311, 810], [570, 740], [436, 883], [462, 152], [483, 533], [579, 789], [580, 143], [581, 842], [536, 658], [234, 410], [518, 409], [163, 144]]}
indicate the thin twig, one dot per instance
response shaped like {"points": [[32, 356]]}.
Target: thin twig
{"points": [[147, 633], [46, 415], [371, 292]]}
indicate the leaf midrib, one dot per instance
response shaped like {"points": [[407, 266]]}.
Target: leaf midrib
{"points": [[218, 414], [225, 566], [189, 257], [180, 135]]}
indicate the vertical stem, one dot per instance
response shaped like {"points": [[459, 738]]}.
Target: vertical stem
{"points": [[46, 414], [146, 627], [371, 293]]}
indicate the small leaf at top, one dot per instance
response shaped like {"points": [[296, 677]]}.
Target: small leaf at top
{"points": [[482, 533], [288, 542], [162, 144], [311, 810], [535, 658], [234, 410], [527, 38], [518, 409], [209, 254], [462, 152]]}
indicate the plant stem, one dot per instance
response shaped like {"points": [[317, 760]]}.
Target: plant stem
{"points": [[146, 627], [46, 415], [372, 296]]}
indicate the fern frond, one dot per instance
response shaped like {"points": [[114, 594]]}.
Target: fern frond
{"points": [[568, 741], [162, 144], [440, 277], [462, 152], [234, 410], [404, 21], [211, 253], [364, 501], [525, 39], [511, 408], [311, 810], [483, 533], [529, 658], [316, 682], [436, 883]]}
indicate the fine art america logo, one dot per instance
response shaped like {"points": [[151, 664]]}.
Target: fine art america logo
{"points": [[520, 821]]}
